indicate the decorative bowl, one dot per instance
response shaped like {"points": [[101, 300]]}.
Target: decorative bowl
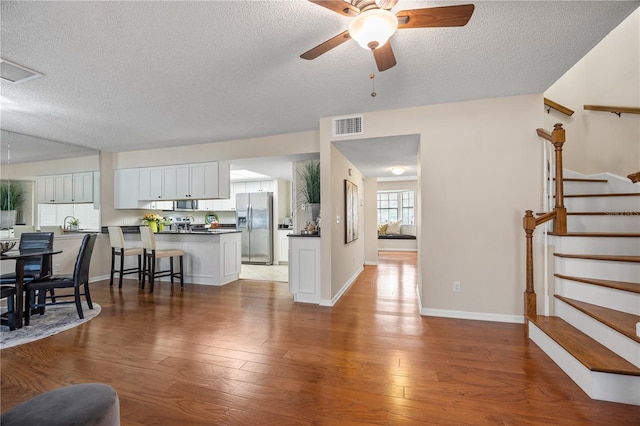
{"points": [[6, 246]]}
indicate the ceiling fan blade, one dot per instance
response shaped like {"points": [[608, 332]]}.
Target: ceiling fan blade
{"points": [[386, 4], [338, 6], [326, 46], [384, 57], [446, 16]]}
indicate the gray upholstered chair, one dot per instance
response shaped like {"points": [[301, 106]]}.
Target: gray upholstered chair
{"points": [[83, 404]]}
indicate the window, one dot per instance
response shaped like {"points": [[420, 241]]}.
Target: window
{"points": [[395, 205]]}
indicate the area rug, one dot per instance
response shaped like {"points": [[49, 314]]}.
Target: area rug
{"points": [[55, 320]]}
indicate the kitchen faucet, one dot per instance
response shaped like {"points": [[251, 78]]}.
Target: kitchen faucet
{"points": [[64, 223]]}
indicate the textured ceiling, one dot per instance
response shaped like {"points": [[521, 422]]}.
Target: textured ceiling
{"points": [[124, 76]]}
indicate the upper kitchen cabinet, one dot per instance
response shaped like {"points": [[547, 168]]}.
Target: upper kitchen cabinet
{"points": [[209, 180], [82, 187], [198, 181], [65, 188], [149, 181]]}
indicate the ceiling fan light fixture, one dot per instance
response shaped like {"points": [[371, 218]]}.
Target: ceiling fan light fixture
{"points": [[398, 170], [373, 28]]}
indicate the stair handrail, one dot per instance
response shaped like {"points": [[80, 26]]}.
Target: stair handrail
{"points": [[634, 177], [559, 215]]}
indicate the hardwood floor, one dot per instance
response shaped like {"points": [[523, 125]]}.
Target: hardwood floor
{"points": [[246, 354]]}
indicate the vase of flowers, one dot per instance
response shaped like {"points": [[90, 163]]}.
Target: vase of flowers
{"points": [[154, 221]]}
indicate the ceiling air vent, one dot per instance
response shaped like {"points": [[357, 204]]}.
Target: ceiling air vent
{"points": [[15, 73], [346, 126]]}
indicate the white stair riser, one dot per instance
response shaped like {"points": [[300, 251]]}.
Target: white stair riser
{"points": [[597, 245], [597, 295], [585, 187], [601, 269], [614, 183], [602, 386], [605, 223], [614, 341], [602, 204]]}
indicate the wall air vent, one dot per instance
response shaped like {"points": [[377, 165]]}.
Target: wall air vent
{"points": [[15, 73], [347, 126]]}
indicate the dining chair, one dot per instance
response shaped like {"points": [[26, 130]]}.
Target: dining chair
{"points": [[35, 267], [9, 318], [80, 278], [151, 254], [118, 249]]}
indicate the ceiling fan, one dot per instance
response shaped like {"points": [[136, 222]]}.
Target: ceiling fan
{"points": [[373, 24]]}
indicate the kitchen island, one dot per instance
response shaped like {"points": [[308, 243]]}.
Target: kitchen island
{"points": [[211, 257]]}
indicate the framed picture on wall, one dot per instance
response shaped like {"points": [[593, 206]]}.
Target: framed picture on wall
{"points": [[351, 211]]}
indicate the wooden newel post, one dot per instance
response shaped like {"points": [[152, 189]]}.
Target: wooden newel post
{"points": [[560, 221], [529, 225]]}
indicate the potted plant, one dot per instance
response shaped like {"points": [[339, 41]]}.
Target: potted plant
{"points": [[74, 224], [310, 188], [10, 198]]}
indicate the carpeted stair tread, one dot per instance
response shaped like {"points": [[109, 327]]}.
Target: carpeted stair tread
{"points": [[593, 355], [614, 194], [618, 285], [615, 214], [584, 180], [607, 257], [599, 234], [622, 322]]}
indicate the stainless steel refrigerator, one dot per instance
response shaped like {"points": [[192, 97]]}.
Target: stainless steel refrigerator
{"points": [[254, 217]]}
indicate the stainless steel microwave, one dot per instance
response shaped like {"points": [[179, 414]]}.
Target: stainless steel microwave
{"points": [[185, 205]]}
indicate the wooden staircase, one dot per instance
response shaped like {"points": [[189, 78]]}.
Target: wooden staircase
{"points": [[593, 334]]}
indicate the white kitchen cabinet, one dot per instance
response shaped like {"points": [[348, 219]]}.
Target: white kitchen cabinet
{"points": [[304, 269], [82, 187], [126, 188], [283, 250], [209, 180], [45, 191], [149, 183], [175, 182], [65, 188]]}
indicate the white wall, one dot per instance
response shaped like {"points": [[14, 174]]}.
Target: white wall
{"points": [[608, 75], [479, 169], [370, 221]]}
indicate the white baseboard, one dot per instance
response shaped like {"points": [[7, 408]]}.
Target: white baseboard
{"points": [[397, 249], [370, 263], [478, 316], [345, 287]]}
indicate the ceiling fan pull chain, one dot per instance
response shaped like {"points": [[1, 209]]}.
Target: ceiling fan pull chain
{"points": [[372, 77]]}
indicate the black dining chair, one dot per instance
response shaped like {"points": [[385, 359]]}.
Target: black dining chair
{"points": [[35, 267], [9, 318], [80, 278]]}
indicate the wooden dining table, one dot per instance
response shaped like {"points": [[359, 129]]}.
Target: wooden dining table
{"points": [[20, 256]]}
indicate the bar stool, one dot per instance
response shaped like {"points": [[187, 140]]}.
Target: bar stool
{"points": [[118, 249], [150, 255]]}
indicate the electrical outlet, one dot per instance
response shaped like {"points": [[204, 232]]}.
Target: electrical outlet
{"points": [[56, 267], [457, 287]]}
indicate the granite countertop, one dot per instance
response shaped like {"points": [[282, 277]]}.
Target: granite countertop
{"points": [[304, 235]]}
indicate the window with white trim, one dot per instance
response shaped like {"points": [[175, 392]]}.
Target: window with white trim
{"points": [[396, 205]]}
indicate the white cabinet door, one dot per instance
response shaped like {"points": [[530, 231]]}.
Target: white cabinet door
{"points": [[150, 183], [45, 190], [266, 186], [83, 187], [252, 186], [126, 188], [204, 180], [63, 188], [284, 246], [175, 182]]}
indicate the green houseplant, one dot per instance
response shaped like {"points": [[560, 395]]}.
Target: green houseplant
{"points": [[10, 198]]}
